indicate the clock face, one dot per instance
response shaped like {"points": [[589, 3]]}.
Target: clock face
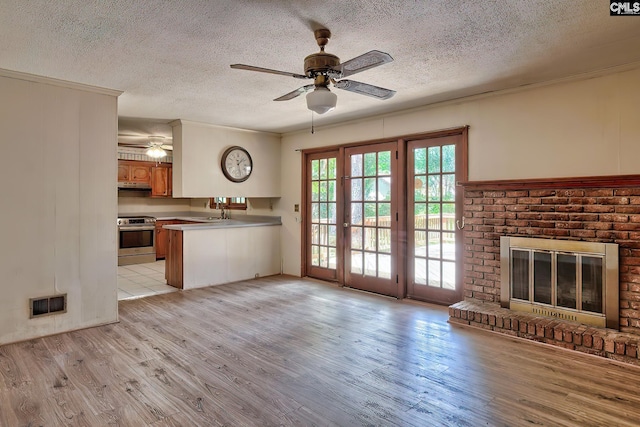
{"points": [[236, 164]]}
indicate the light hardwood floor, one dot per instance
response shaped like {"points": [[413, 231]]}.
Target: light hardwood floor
{"points": [[288, 351]]}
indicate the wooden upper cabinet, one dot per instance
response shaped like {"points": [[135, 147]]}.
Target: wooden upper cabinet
{"points": [[140, 173], [161, 181], [123, 172], [158, 176]]}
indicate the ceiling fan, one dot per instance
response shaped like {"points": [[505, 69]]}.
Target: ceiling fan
{"points": [[156, 146], [144, 141], [325, 68]]}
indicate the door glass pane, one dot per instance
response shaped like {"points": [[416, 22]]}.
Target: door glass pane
{"points": [[420, 215], [356, 165], [435, 220], [384, 240], [356, 213], [315, 234], [333, 235], [370, 191], [332, 168], [356, 262], [315, 192], [315, 212], [420, 243], [420, 189], [433, 247], [331, 190], [433, 159], [384, 189], [333, 259], [448, 188], [315, 255], [323, 168], [449, 246], [370, 239], [448, 158], [384, 266], [356, 237], [323, 191], [435, 279], [331, 216], [323, 235], [449, 275], [370, 164], [420, 161], [315, 169], [370, 214], [370, 264], [434, 188], [324, 259], [384, 163], [356, 189], [384, 214], [420, 274]]}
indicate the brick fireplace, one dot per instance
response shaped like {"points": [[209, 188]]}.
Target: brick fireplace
{"points": [[597, 209]]}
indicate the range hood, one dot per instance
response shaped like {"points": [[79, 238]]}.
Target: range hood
{"points": [[134, 189]]}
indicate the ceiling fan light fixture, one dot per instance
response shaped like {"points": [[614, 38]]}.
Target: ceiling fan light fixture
{"points": [[155, 150], [321, 100]]}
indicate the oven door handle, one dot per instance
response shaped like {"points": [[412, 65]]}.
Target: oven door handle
{"points": [[137, 228]]}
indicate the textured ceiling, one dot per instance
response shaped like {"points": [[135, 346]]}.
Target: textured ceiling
{"points": [[171, 58]]}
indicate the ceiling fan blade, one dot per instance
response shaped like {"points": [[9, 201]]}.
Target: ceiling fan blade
{"points": [[295, 93], [267, 70], [365, 89], [364, 62]]}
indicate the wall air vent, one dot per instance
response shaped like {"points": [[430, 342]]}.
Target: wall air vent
{"points": [[45, 306]]}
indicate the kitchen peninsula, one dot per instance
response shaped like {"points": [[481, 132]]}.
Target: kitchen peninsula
{"points": [[216, 251]]}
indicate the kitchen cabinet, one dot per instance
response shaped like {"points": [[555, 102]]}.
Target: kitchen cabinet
{"points": [[208, 256], [158, 176], [161, 181], [129, 171], [162, 236]]}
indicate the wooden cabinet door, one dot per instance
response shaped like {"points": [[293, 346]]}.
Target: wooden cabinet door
{"points": [[162, 239], [160, 182], [123, 172], [140, 173]]}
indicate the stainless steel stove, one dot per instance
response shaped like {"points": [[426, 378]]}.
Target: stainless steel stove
{"points": [[136, 239]]}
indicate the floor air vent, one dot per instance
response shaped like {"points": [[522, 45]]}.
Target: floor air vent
{"points": [[48, 305]]}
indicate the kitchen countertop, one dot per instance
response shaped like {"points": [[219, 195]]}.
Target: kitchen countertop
{"points": [[209, 220]]}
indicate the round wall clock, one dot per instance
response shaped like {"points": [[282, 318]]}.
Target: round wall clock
{"points": [[236, 164]]}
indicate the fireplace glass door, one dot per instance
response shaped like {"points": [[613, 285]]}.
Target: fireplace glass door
{"points": [[573, 281]]}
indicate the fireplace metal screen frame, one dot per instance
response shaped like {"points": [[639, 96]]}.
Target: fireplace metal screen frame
{"points": [[611, 291]]}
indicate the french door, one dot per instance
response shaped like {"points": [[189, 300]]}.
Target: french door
{"points": [[323, 257], [370, 218], [434, 241], [386, 217]]}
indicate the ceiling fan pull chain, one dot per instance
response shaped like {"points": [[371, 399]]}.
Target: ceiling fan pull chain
{"points": [[311, 122]]}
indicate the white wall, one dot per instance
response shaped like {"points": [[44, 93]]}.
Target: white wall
{"points": [[582, 127], [143, 205], [197, 153], [58, 213]]}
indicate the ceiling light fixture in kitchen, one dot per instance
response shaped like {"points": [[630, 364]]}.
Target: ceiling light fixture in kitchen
{"points": [[155, 147]]}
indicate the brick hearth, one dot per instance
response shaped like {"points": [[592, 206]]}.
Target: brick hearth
{"points": [[608, 343], [542, 209]]}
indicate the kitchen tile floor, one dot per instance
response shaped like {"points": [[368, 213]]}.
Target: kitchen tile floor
{"points": [[142, 280]]}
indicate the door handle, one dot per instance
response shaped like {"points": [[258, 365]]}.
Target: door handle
{"points": [[460, 227], [345, 225]]}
